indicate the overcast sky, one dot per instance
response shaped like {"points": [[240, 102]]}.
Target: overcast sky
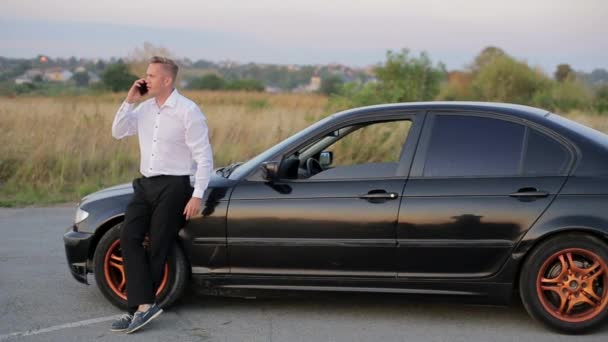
{"points": [[542, 32]]}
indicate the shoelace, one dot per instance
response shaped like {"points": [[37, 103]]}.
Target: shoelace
{"points": [[126, 317]]}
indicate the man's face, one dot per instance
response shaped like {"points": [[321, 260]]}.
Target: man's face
{"points": [[158, 79]]}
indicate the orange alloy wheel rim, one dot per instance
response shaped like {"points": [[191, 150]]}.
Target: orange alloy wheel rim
{"points": [[571, 285], [114, 272]]}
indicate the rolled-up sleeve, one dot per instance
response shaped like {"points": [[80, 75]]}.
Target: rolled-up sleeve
{"points": [[197, 139], [125, 121]]}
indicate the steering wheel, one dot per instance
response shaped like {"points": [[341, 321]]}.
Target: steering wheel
{"points": [[313, 167]]}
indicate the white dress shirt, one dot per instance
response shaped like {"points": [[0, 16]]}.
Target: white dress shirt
{"points": [[173, 138]]}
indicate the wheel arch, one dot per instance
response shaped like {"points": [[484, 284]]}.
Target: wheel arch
{"points": [[595, 232], [106, 226]]}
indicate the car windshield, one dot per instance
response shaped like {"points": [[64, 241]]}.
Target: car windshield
{"points": [[248, 166]]}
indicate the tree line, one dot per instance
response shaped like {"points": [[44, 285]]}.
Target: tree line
{"points": [[493, 75]]}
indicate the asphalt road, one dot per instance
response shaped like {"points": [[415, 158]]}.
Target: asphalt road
{"points": [[40, 301]]}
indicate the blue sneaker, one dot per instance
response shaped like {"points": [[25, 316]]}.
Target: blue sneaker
{"points": [[122, 323], [142, 318]]}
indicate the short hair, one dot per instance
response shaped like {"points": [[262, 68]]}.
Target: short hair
{"points": [[167, 63]]}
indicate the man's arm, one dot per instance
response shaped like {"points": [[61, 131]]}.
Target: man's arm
{"points": [[197, 139], [125, 121]]}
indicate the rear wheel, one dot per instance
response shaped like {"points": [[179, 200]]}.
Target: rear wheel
{"points": [[110, 272], [564, 283]]}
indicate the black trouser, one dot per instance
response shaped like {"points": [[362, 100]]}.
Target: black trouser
{"points": [[156, 208]]}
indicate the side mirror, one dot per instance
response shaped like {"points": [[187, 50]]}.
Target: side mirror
{"points": [[270, 169], [326, 158]]}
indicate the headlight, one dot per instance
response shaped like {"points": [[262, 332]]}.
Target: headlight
{"points": [[81, 215]]}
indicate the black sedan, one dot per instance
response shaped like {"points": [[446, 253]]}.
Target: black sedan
{"points": [[478, 200]]}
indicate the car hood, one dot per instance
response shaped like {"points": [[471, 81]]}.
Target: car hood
{"points": [[126, 189]]}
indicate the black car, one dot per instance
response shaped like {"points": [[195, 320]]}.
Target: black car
{"points": [[481, 200]]}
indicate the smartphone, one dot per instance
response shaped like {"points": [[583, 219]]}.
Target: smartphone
{"points": [[143, 88]]}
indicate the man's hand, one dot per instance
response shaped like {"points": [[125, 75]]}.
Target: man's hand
{"points": [[193, 207], [133, 94]]}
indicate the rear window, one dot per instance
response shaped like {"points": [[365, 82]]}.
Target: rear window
{"points": [[544, 155]]}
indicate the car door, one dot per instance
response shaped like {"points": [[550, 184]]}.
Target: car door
{"points": [[478, 183], [339, 222]]}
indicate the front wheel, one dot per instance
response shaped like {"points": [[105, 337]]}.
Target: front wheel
{"points": [[564, 283], [110, 272]]}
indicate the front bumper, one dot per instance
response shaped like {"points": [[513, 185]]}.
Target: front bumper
{"points": [[77, 251]]}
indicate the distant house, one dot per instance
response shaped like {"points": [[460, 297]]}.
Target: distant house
{"points": [[315, 83], [57, 75], [23, 80], [93, 78], [312, 86], [29, 76], [270, 89]]}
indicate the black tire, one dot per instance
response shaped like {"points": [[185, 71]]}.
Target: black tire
{"points": [[555, 293], [179, 272]]}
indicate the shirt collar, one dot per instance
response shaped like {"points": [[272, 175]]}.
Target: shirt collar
{"points": [[172, 99]]}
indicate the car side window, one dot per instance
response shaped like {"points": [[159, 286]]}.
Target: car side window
{"points": [[367, 150], [544, 155], [462, 146], [375, 143]]}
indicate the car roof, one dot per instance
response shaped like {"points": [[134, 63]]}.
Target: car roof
{"points": [[525, 112]]}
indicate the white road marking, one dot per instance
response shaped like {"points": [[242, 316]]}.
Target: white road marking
{"points": [[57, 327]]}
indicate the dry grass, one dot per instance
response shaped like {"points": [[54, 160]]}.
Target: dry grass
{"points": [[55, 149], [61, 148], [597, 121]]}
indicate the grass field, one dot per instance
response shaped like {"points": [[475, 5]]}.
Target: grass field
{"points": [[57, 149]]}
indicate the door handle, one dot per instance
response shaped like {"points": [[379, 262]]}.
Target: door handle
{"points": [[379, 195], [529, 193]]}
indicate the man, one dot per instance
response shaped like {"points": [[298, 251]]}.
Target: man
{"points": [[173, 142]]}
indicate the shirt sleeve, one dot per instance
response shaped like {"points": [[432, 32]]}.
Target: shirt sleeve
{"points": [[125, 121], [197, 139]]}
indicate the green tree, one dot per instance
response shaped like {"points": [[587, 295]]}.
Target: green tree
{"points": [[601, 99], [331, 85], [487, 56], [564, 96], [403, 78], [117, 77], [563, 72], [207, 82], [504, 79], [81, 79], [400, 78]]}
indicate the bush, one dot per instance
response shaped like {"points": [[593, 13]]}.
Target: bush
{"points": [[400, 79], [207, 82], [600, 102], [503, 79], [215, 82], [117, 77], [246, 85], [331, 85], [564, 95], [81, 79]]}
